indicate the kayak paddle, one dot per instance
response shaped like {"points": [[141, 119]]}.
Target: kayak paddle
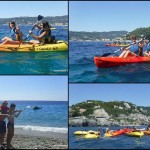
{"points": [[38, 19], [107, 54]]}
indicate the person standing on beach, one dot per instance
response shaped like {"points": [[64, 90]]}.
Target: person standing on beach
{"points": [[10, 124], [3, 115]]}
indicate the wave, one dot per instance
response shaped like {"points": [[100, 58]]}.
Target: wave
{"points": [[42, 129]]}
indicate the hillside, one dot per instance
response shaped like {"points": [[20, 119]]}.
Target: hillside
{"points": [[140, 31], [57, 20], [95, 112], [95, 36]]}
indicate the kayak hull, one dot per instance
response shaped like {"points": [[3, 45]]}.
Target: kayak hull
{"points": [[146, 132], [59, 46], [85, 132], [114, 133], [91, 136], [80, 132], [114, 61], [135, 134]]}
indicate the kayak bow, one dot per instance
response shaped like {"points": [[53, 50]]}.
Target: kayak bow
{"points": [[114, 61]]}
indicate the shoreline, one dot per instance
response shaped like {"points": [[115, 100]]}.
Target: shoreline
{"points": [[46, 134], [39, 140]]}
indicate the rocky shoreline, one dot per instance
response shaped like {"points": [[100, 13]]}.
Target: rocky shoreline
{"points": [[115, 113]]}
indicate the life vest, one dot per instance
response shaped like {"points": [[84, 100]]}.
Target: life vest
{"points": [[134, 48], [14, 35], [47, 38], [148, 46]]}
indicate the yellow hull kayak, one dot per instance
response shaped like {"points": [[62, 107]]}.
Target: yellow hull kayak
{"points": [[135, 134], [80, 132], [85, 132], [91, 136], [59, 46]]}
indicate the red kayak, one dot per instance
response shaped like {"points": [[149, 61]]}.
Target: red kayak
{"points": [[114, 61]]}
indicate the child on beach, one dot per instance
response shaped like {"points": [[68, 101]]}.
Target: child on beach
{"points": [[10, 124]]}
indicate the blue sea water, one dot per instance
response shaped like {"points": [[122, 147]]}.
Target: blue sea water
{"points": [[32, 62], [52, 117], [83, 69], [118, 142]]}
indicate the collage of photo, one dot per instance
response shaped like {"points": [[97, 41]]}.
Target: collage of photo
{"points": [[74, 75]]}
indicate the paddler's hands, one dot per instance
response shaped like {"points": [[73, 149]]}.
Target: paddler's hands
{"points": [[122, 48], [30, 32]]}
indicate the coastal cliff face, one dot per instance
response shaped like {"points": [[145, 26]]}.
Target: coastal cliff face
{"points": [[114, 113]]}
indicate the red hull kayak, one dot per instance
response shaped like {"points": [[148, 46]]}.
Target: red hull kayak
{"points": [[106, 62]]}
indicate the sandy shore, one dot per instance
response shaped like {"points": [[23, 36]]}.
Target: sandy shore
{"points": [[39, 140]]}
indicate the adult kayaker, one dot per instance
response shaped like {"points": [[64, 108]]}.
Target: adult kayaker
{"points": [[15, 35], [147, 46], [134, 49], [3, 115], [44, 36]]}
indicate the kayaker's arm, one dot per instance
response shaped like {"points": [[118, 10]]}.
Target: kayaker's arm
{"points": [[38, 37]]}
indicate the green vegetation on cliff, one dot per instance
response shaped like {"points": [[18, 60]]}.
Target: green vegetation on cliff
{"points": [[113, 108]]}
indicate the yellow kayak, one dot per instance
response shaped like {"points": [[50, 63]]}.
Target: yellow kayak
{"points": [[91, 136], [59, 46], [136, 134], [85, 132], [80, 132]]}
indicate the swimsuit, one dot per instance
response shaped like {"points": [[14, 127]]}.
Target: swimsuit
{"points": [[2, 127]]}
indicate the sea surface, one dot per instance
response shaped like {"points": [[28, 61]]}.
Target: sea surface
{"points": [[34, 62], [52, 117], [118, 142], [83, 69]]}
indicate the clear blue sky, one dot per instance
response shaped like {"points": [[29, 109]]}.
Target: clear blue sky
{"points": [[108, 16], [138, 94], [53, 88], [33, 8]]}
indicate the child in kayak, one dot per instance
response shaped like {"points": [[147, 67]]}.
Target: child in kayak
{"points": [[44, 34], [15, 35], [10, 124], [136, 49]]}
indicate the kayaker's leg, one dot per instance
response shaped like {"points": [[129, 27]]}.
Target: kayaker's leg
{"points": [[146, 54], [6, 38], [128, 53], [10, 42], [122, 54], [34, 42]]}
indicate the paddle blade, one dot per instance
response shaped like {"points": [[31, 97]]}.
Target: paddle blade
{"points": [[40, 17]]}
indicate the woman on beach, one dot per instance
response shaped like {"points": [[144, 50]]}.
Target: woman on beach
{"points": [[134, 50], [15, 35], [10, 124], [44, 34], [3, 115]]}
